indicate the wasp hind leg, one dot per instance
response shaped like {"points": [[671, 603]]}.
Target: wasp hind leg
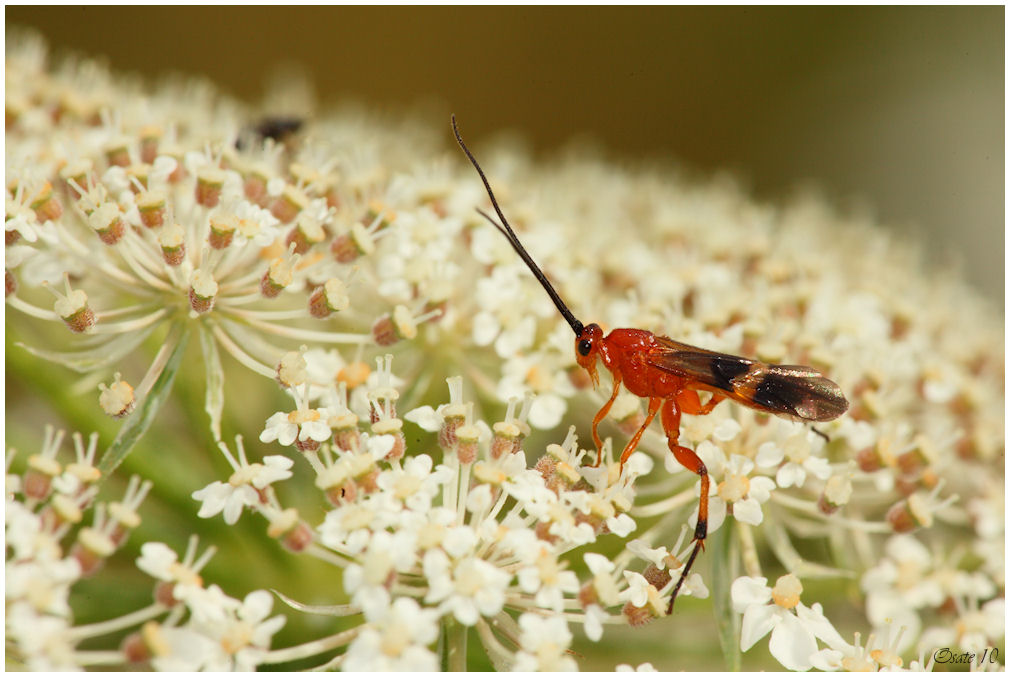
{"points": [[686, 457]]}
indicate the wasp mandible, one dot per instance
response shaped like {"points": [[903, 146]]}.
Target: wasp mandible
{"points": [[670, 374]]}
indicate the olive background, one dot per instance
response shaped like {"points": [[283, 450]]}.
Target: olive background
{"points": [[899, 109]]}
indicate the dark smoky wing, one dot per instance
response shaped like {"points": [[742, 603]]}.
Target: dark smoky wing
{"points": [[790, 390], [793, 390], [717, 370]]}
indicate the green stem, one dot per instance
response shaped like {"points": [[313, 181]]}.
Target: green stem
{"points": [[142, 417], [724, 571], [453, 645]]}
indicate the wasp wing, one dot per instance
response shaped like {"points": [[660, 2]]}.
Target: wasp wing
{"points": [[785, 389]]}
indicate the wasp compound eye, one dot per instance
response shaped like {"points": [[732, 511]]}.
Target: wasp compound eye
{"points": [[585, 345]]}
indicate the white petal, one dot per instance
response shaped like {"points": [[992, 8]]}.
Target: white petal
{"points": [[815, 620], [769, 455], [748, 511], [818, 467], [792, 644], [425, 417], [790, 475], [758, 620], [761, 488], [748, 590], [546, 411], [726, 430], [592, 625], [622, 525]]}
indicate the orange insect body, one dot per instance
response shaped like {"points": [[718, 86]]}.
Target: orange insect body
{"points": [[670, 374]]}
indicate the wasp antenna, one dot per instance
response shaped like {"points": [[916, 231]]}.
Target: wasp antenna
{"points": [[505, 229], [508, 236]]}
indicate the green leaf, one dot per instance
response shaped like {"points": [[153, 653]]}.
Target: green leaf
{"points": [[724, 571], [142, 417], [214, 403]]}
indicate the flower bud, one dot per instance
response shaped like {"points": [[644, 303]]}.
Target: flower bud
{"points": [[117, 152], [116, 400], [292, 369], [91, 550], [277, 277], [202, 291], [149, 138], [289, 204], [172, 239], [657, 577], [151, 205], [77, 171], [506, 440], [73, 309], [356, 242], [209, 182], [637, 616], [307, 232], [837, 492], [106, 220], [329, 298], [294, 534], [222, 232], [466, 443], [45, 205], [388, 330]]}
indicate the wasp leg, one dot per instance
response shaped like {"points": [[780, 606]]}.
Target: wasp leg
{"points": [[600, 415], [687, 458], [629, 449]]}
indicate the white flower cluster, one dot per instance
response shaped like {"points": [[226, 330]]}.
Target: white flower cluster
{"points": [[476, 539], [156, 216]]}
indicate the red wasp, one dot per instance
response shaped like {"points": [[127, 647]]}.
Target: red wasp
{"points": [[670, 374]]}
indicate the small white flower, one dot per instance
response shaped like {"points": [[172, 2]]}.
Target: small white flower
{"points": [[347, 529], [181, 649], [638, 591], [222, 497], [386, 554], [43, 584], [603, 580], [45, 640], [469, 588], [793, 472], [733, 485], [795, 628], [544, 575], [161, 562], [544, 643], [244, 635], [395, 639], [414, 485]]}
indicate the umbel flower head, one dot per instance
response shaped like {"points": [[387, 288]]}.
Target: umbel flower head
{"points": [[347, 268]]}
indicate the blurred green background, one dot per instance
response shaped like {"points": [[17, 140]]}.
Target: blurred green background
{"points": [[900, 109]]}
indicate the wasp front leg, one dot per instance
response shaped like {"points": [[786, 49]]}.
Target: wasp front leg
{"points": [[600, 415], [629, 449]]}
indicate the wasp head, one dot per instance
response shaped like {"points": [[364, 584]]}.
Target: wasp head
{"points": [[587, 348]]}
